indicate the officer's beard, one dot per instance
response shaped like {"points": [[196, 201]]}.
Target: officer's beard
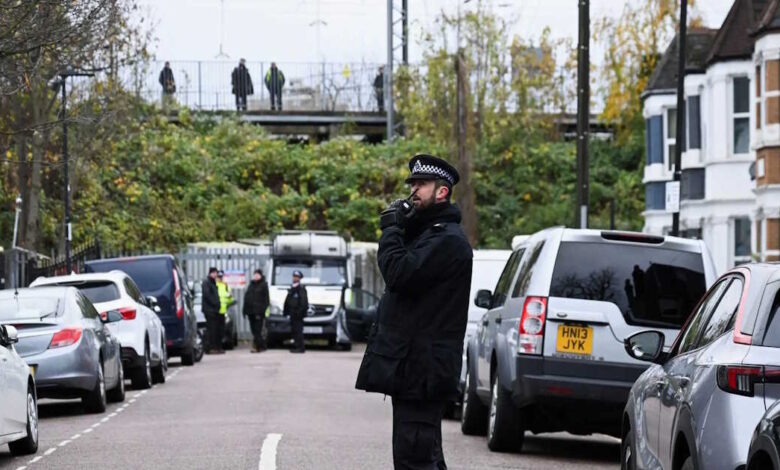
{"points": [[424, 204]]}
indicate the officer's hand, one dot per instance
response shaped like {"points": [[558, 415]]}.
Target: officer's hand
{"points": [[398, 213]]}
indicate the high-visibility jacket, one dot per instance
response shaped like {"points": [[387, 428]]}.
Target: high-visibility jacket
{"points": [[225, 297]]}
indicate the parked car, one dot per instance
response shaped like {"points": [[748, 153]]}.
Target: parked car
{"points": [[140, 332], [64, 341], [548, 354], [699, 404], [764, 453], [229, 340], [19, 406], [161, 277]]}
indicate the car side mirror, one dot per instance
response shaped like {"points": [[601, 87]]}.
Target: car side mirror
{"points": [[9, 335], [151, 301], [112, 316], [483, 298], [646, 346]]}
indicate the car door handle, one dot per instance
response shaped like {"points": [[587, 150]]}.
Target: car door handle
{"points": [[485, 322], [498, 320]]}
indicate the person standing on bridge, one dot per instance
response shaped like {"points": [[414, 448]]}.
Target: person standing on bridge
{"points": [[274, 81], [295, 306], [379, 89], [168, 85], [242, 84], [256, 301], [211, 306], [414, 348]]}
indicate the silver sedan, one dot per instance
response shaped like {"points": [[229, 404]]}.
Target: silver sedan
{"points": [[66, 344]]}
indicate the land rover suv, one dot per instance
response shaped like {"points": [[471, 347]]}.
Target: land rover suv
{"points": [[548, 354]]}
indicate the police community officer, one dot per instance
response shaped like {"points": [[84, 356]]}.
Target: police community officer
{"points": [[296, 304], [414, 349], [211, 305]]}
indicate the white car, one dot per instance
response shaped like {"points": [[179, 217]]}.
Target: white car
{"points": [[141, 333], [19, 404]]}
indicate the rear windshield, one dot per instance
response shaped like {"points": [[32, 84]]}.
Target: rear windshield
{"points": [[98, 291], [151, 275], [651, 286], [24, 307]]}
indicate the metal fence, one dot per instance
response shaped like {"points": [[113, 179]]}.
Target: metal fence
{"points": [[205, 85]]}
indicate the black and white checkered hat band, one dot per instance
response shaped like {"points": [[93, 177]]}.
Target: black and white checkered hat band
{"points": [[420, 169]]}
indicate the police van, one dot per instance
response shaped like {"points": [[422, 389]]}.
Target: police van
{"points": [[325, 260]]}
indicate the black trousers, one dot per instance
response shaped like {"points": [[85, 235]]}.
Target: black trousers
{"points": [[213, 341], [241, 102], [296, 327], [417, 435], [276, 100], [256, 324]]}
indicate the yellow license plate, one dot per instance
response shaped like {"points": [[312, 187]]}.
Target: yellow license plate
{"points": [[574, 339]]}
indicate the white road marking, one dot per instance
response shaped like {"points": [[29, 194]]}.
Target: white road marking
{"points": [[112, 414], [88, 430], [95, 425], [75, 436], [65, 442], [22, 467], [104, 420], [268, 452], [50, 451], [36, 459], [133, 400]]}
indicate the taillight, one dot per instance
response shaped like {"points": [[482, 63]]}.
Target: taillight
{"points": [[177, 296], [128, 313], [532, 325], [741, 380], [65, 337]]}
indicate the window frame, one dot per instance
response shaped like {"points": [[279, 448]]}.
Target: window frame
{"points": [[507, 276], [712, 295], [734, 115], [689, 121], [701, 341], [668, 141], [741, 259]]}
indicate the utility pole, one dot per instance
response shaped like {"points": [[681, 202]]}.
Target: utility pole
{"points": [[583, 113], [405, 33], [674, 187], [68, 72], [388, 85]]}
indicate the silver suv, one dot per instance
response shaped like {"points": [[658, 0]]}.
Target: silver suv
{"points": [[548, 355]]}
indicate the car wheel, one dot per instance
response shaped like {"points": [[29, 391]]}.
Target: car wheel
{"points": [[199, 346], [95, 400], [473, 414], [188, 356], [142, 376], [159, 371], [504, 433], [118, 393], [627, 453], [688, 464], [28, 444]]}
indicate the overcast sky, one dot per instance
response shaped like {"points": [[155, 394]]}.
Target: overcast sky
{"points": [[353, 30]]}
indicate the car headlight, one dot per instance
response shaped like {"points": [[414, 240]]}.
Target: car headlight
{"points": [[275, 310]]}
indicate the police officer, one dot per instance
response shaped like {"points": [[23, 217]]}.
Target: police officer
{"points": [[225, 301], [256, 301], [414, 349], [210, 306], [295, 306]]}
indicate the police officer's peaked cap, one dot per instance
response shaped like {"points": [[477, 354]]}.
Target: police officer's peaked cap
{"points": [[429, 167], [298, 274]]}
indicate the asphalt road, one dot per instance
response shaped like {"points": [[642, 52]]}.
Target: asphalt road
{"points": [[298, 411]]}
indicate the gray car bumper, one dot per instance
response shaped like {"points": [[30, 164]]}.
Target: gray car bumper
{"points": [[64, 372]]}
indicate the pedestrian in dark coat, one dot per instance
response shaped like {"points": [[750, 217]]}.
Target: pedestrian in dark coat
{"points": [[210, 305], [414, 349], [168, 85], [274, 81], [379, 89], [256, 301], [242, 84], [295, 306]]}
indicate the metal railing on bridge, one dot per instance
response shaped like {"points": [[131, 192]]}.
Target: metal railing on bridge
{"points": [[206, 85]]}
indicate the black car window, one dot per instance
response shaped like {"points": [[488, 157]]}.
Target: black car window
{"points": [[85, 306], [699, 318], [722, 318], [527, 270], [150, 274], [505, 281], [651, 285], [98, 291], [772, 336], [132, 290]]}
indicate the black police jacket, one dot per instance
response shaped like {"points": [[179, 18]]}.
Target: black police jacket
{"points": [[415, 347], [210, 302], [256, 299], [297, 302]]}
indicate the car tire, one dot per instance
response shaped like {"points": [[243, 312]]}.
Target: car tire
{"points": [[474, 414], [188, 356], [160, 370], [504, 430], [688, 464], [628, 452], [200, 347], [29, 444], [142, 376], [95, 400], [117, 394]]}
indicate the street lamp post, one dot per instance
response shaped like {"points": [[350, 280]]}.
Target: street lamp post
{"points": [[68, 72], [16, 219]]}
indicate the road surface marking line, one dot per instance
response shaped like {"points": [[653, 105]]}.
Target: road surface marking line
{"points": [[36, 459], [95, 425], [50, 451], [88, 430], [133, 400], [64, 443], [75, 436], [22, 467], [112, 415], [268, 452], [104, 420]]}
